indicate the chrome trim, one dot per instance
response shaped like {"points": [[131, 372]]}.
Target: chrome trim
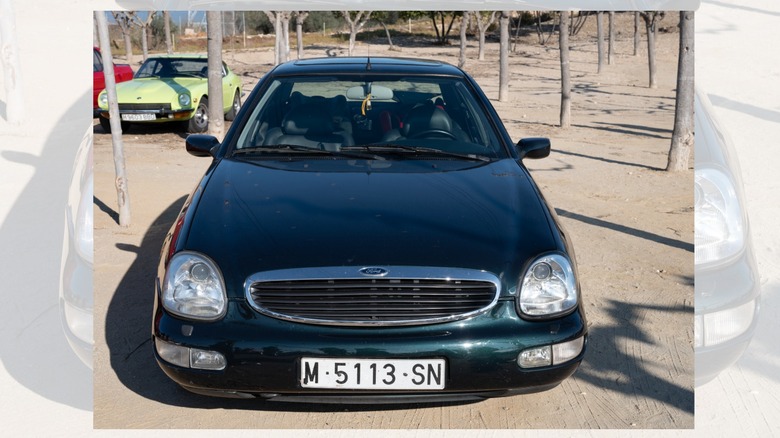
{"points": [[353, 273]]}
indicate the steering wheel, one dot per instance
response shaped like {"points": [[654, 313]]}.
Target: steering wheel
{"points": [[432, 132]]}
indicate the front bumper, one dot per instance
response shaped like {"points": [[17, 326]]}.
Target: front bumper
{"points": [[159, 115], [264, 354], [730, 289]]}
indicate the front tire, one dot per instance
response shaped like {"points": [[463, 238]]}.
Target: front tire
{"points": [[199, 122], [234, 108]]}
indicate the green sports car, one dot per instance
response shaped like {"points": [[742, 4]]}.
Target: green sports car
{"points": [[172, 88]]}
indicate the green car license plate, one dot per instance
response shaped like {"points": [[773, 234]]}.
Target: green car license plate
{"points": [[138, 117], [403, 374]]}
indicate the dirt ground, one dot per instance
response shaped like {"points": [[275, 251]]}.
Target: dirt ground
{"points": [[631, 224]]}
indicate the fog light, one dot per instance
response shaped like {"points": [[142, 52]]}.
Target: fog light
{"points": [[555, 354], [190, 357], [79, 321], [567, 351], [207, 360], [719, 327], [535, 357], [172, 353]]}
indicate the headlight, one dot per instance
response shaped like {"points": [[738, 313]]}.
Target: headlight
{"points": [[103, 99], [184, 99], [719, 227], [549, 287], [193, 287]]}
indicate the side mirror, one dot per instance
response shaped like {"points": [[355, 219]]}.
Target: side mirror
{"points": [[534, 147], [202, 145]]}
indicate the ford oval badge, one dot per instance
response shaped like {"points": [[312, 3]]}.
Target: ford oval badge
{"points": [[373, 272]]}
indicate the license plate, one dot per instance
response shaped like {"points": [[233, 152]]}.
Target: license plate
{"points": [[138, 117], [403, 374]]}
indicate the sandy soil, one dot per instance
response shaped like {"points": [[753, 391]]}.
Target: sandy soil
{"points": [[631, 224]]}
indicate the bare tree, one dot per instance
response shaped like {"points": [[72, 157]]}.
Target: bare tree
{"points": [[611, 39], [125, 22], [682, 134], [464, 24], [540, 29], [122, 192], [651, 18], [381, 17], [167, 30], [636, 33], [144, 25], [9, 52], [563, 44], [579, 23], [441, 37], [600, 39], [282, 41], [516, 37], [356, 20], [300, 17], [503, 72], [483, 22], [215, 112], [285, 25]]}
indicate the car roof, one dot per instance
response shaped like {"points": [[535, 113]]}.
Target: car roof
{"points": [[363, 64]]}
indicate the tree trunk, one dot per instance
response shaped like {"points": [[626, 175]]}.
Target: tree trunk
{"points": [[299, 37], [122, 193], [124, 25], [144, 43], [9, 54], [167, 24], [389, 39], [600, 39], [650, 18], [355, 25], [611, 39], [563, 45], [482, 27], [682, 135], [517, 36], [285, 36], [503, 73], [215, 111], [636, 34], [464, 24]]}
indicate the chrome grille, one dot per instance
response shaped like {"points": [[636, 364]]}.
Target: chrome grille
{"points": [[340, 299], [145, 107]]}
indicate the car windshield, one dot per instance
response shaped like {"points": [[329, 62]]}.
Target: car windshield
{"points": [[173, 68], [389, 116]]}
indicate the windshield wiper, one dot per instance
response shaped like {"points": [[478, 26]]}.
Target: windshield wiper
{"points": [[287, 148], [420, 150]]}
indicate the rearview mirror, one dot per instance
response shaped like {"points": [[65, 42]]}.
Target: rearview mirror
{"points": [[533, 147], [202, 145], [378, 92]]}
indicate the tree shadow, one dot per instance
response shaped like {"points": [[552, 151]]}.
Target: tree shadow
{"points": [[106, 209], [626, 129], [674, 243], [608, 160], [609, 366]]}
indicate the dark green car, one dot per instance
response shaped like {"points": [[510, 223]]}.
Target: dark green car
{"points": [[367, 232]]}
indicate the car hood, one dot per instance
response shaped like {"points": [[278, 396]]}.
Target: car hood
{"points": [[153, 90], [255, 216]]}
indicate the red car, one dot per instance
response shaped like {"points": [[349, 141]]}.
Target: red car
{"points": [[122, 72]]}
